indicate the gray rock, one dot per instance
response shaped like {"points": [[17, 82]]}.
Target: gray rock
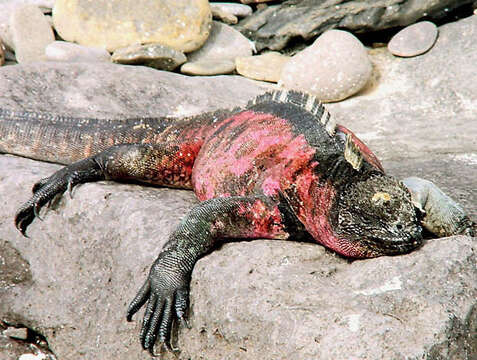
{"points": [[109, 90], [255, 1], [16, 333], [238, 10], [267, 67], [441, 214], [11, 349], [182, 24], [224, 43], [69, 52], [223, 16], [418, 107], [276, 299], [208, 67], [274, 26], [31, 33], [218, 54], [418, 305], [44, 5], [2, 53], [7, 7], [414, 40], [333, 68], [154, 55]]}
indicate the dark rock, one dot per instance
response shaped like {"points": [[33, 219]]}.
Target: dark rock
{"points": [[274, 26], [153, 55], [14, 269], [413, 40]]}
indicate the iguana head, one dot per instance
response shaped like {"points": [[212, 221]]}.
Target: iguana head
{"points": [[376, 217]]}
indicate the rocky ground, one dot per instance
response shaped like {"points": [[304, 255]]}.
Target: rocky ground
{"points": [[64, 290]]}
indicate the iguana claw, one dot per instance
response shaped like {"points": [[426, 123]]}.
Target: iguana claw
{"points": [[45, 190], [166, 293]]}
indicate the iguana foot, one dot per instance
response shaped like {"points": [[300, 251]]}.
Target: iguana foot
{"points": [[166, 292], [441, 215], [48, 188]]}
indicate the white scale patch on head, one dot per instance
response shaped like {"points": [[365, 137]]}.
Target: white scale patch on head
{"points": [[381, 197], [352, 154]]}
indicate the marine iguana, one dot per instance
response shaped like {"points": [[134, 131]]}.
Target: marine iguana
{"points": [[279, 168]]}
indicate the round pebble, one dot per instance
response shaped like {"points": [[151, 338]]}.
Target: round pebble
{"points": [[267, 67], [224, 43], [180, 24], [414, 40], [152, 55], [238, 10], [208, 67], [333, 68], [224, 16]]}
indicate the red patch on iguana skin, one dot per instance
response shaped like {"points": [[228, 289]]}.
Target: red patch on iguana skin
{"points": [[250, 154], [265, 222], [175, 169]]}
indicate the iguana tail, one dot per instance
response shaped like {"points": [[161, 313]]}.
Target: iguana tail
{"points": [[64, 140]]}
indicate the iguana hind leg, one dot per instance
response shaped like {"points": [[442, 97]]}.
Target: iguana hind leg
{"points": [[165, 164], [441, 215], [166, 290]]}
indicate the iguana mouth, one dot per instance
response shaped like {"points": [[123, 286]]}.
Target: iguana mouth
{"points": [[394, 245]]}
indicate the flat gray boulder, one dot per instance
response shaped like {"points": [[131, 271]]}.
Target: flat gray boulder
{"points": [[106, 90], [83, 264]]}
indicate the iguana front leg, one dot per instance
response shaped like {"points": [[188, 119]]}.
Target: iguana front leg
{"points": [[163, 164], [167, 286], [441, 215]]}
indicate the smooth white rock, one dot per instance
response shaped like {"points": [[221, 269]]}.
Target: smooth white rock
{"points": [[414, 40], [333, 68], [70, 52], [224, 43], [30, 33]]}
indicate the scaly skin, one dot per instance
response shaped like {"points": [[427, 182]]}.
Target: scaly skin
{"points": [[278, 169]]}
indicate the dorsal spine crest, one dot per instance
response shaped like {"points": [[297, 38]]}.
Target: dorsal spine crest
{"points": [[303, 100]]}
